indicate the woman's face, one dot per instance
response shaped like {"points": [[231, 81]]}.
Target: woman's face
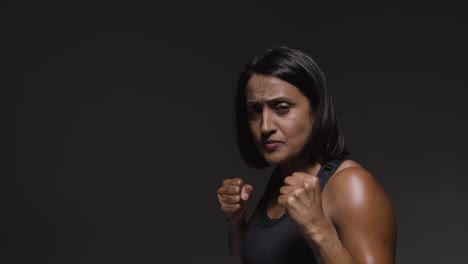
{"points": [[280, 118]]}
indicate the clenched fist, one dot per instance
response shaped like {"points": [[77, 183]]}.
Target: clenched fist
{"points": [[233, 197], [301, 198]]}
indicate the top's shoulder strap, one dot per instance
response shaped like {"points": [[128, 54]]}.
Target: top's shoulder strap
{"points": [[327, 170]]}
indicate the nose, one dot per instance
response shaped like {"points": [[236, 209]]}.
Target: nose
{"points": [[268, 125]]}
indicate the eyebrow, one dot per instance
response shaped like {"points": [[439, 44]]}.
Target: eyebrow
{"points": [[273, 100]]}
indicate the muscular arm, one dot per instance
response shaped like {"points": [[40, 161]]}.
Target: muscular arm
{"points": [[361, 226]]}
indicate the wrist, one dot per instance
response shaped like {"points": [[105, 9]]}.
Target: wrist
{"points": [[237, 220], [321, 234]]}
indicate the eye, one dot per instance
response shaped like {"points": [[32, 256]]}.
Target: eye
{"points": [[254, 110], [282, 108]]}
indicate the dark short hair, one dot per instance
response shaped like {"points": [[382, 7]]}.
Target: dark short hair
{"points": [[299, 69]]}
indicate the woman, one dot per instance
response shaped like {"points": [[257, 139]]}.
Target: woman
{"points": [[317, 207]]}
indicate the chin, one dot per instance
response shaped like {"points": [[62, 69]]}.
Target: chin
{"points": [[274, 160], [278, 159]]}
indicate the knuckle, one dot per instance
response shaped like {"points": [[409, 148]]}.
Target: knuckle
{"points": [[232, 181], [290, 200], [315, 179], [221, 190], [282, 190], [288, 180], [227, 181], [296, 193], [238, 181], [296, 174], [313, 182], [236, 199], [222, 200], [236, 189]]}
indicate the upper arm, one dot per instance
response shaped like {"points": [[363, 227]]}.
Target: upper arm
{"points": [[362, 214]]}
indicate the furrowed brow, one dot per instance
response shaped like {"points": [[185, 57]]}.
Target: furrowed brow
{"points": [[279, 99], [272, 100]]}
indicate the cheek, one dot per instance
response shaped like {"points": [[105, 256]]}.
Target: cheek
{"points": [[300, 131], [254, 130]]}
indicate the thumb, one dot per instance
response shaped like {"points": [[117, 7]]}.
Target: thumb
{"points": [[246, 192]]}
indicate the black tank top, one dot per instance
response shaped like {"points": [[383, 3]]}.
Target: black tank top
{"points": [[277, 241]]}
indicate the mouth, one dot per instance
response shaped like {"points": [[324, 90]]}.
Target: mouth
{"points": [[272, 145]]}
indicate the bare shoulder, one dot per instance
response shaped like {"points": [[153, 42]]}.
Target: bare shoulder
{"points": [[351, 179], [360, 210], [353, 190]]}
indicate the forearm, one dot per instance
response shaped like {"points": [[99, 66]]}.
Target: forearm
{"points": [[328, 247], [236, 232]]}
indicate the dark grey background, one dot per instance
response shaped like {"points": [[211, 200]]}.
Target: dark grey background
{"points": [[122, 121]]}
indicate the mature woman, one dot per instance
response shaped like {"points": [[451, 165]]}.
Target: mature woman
{"points": [[318, 206]]}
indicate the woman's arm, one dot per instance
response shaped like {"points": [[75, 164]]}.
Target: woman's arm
{"points": [[236, 233], [233, 197], [362, 215], [351, 222]]}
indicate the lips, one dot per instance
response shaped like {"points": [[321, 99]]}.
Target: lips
{"points": [[272, 145]]}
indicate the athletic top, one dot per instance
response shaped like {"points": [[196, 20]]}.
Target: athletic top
{"points": [[277, 241]]}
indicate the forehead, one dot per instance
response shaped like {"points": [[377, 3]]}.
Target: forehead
{"points": [[266, 87]]}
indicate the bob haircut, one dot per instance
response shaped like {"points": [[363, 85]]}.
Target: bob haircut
{"points": [[326, 141]]}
